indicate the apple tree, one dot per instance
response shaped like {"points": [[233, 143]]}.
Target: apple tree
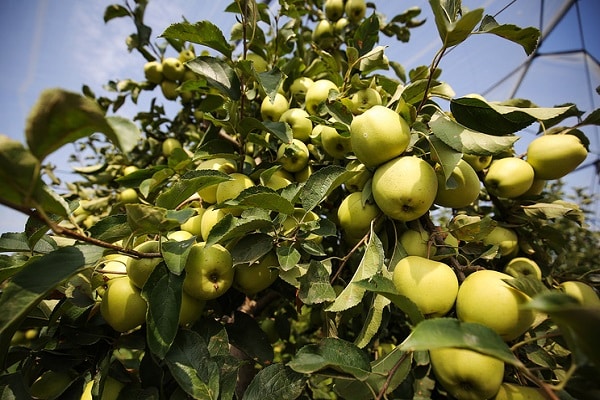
{"points": [[291, 214]]}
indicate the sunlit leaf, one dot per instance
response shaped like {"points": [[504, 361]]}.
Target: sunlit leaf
{"points": [[314, 286], [175, 253], [203, 32], [218, 75], [554, 210], [127, 133], [190, 183], [321, 183], [526, 37], [264, 197], [453, 25]]}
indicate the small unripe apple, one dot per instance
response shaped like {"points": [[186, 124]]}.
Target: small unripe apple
{"points": [[258, 62], [298, 120], [509, 177], [139, 269], [122, 305], [208, 194], [523, 266], [364, 99], [169, 89], [194, 224], [180, 236], [358, 181], [582, 292], [299, 87], [272, 110], [479, 163], [169, 145], [130, 169], [300, 216], [334, 144], [253, 278], [334, 9], [173, 69], [554, 156], [465, 186], [210, 218], [318, 93], [505, 238], [153, 72], [186, 55], [356, 10], [128, 196], [417, 243], [322, 34], [208, 271], [354, 217], [293, 156], [512, 391]]}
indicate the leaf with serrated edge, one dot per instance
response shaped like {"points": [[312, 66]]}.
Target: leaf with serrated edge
{"points": [[203, 32], [321, 183], [189, 184], [251, 248], [372, 321], [314, 286], [275, 382], [175, 253], [218, 74], [526, 37]]}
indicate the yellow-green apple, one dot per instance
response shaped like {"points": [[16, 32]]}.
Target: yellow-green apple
{"points": [[357, 182], [485, 298], [479, 163], [317, 93], [208, 271], [169, 145], [50, 385], [554, 156], [299, 217], [128, 196], [509, 177], [259, 63], [378, 135], [172, 68], [180, 235], [356, 10], [537, 187], [431, 285], [303, 174], [417, 243], [505, 238], [253, 278], [298, 120], [277, 179], [334, 144], [461, 188], [208, 194], [228, 190], [114, 266], [582, 292], [404, 188], [355, 216], [169, 89], [139, 269], [299, 87], [210, 218], [467, 374], [512, 391], [322, 33], [186, 55], [334, 9], [122, 305], [110, 391], [153, 72], [272, 110], [340, 25], [130, 169], [523, 266], [194, 224], [293, 156], [190, 310], [364, 99]]}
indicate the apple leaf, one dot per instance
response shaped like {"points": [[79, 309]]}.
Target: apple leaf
{"points": [[465, 140], [230, 227], [526, 284], [144, 218], [18, 242], [414, 92], [175, 253], [115, 11], [526, 37], [218, 74], [190, 183], [332, 354], [314, 285], [554, 210], [127, 133], [471, 228], [263, 197], [447, 156], [449, 332], [288, 257], [271, 81], [321, 183], [111, 229], [372, 321], [452, 28], [371, 264], [251, 248], [498, 119], [245, 334], [280, 130], [203, 32], [592, 118], [162, 292], [275, 382]]}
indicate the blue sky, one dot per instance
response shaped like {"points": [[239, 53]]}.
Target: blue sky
{"points": [[66, 44]]}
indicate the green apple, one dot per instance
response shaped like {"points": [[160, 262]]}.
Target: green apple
{"points": [[467, 374], [303, 174], [139, 269], [357, 182], [299, 217], [272, 110], [334, 9], [169, 89], [169, 145], [465, 186], [554, 156], [110, 391], [582, 292], [50, 385], [322, 33], [194, 224], [128, 196], [512, 391], [523, 266], [299, 87], [378, 135], [537, 187], [509, 177], [334, 144], [317, 94], [231, 189], [153, 72], [208, 194], [172, 68], [340, 25], [253, 278], [130, 169], [364, 99], [122, 305], [298, 120], [186, 55], [258, 62], [190, 310], [485, 298], [417, 243], [505, 238], [404, 188], [180, 236], [355, 216], [293, 156], [208, 271], [479, 163], [356, 10], [210, 218], [431, 285], [114, 266], [277, 179]]}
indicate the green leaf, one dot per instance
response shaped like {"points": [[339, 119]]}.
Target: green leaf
{"points": [[371, 264], [465, 140], [18, 242], [190, 183], [366, 35], [175, 254], [111, 229], [372, 321], [275, 382], [230, 227], [332, 354], [126, 132], [251, 248], [321, 183], [204, 33], [60, 117], [288, 257], [556, 209], [19, 173], [579, 324], [218, 74], [190, 364], [115, 11], [245, 334], [265, 198], [280, 130], [314, 285], [496, 119], [452, 29], [162, 292], [144, 218], [449, 332], [592, 118], [526, 37], [270, 81]]}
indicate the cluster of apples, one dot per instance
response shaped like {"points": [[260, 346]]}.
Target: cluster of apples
{"points": [[170, 73]]}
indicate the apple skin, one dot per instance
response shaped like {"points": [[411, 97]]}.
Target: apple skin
{"points": [[111, 390], [523, 266], [364, 99], [172, 68], [208, 271], [122, 305], [114, 266], [355, 10], [293, 156], [169, 145], [582, 292], [210, 218], [466, 188], [139, 269], [194, 224], [555, 156], [153, 72], [299, 87], [355, 217], [506, 239], [272, 111], [478, 163], [128, 196], [169, 89], [467, 374], [259, 63], [416, 243], [208, 194], [322, 34], [357, 182], [298, 120], [190, 310], [378, 135], [404, 188], [512, 391], [509, 177], [334, 9], [485, 298], [278, 179], [334, 144], [228, 190], [180, 236], [431, 285], [251, 279], [317, 93]]}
